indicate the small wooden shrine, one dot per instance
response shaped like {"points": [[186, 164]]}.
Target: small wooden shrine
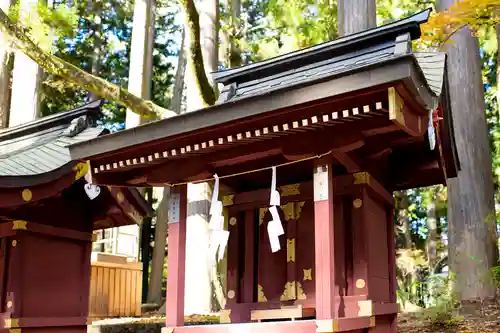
{"points": [[47, 214], [344, 123]]}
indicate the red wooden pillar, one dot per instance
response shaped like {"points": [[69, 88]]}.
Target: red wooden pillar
{"points": [[360, 242], [324, 240], [176, 258]]}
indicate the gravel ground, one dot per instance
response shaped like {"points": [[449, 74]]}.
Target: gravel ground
{"points": [[487, 321]]}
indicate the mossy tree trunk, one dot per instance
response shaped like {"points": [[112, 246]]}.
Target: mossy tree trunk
{"points": [[202, 40], [96, 43], [56, 66], [471, 210], [235, 50], [194, 53], [6, 62]]}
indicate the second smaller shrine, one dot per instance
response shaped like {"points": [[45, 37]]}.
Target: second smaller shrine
{"points": [[48, 211]]}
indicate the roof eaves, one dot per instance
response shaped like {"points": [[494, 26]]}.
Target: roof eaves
{"points": [[51, 121], [391, 69]]}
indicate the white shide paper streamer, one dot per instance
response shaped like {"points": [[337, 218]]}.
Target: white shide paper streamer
{"points": [[219, 237], [274, 227]]}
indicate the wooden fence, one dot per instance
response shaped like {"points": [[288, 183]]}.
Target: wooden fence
{"points": [[115, 287]]}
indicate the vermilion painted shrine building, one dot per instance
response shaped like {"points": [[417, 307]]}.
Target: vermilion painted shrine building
{"points": [[364, 115], [47, 219]]}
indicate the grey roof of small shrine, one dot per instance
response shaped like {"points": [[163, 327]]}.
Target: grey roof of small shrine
{"points": [[41, 146]]}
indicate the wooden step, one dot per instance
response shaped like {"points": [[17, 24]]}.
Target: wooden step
{"points": [[286, 312]]}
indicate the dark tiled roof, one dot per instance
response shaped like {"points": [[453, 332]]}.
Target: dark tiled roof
{"points": [[327, 60], [41, 146]]}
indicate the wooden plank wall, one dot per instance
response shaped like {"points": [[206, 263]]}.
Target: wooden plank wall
{"points": [[115, 290]]}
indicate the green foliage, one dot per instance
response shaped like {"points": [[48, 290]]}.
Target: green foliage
{"points": [[84, 33], [275, 27], [443, 304], [495, 272], [391, 10]]}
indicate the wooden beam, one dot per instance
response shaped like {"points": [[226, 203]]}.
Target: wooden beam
{"points": [[246, 157], [350, 161], [402, 115], [324, 239], [177, 258], [344, 138], [197, 168]]}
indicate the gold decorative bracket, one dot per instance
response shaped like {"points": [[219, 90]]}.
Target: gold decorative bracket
{"points": [[288, 211], [300, 292], [361, 178], [261, 297], [290, 292], [288, 190], [19, 225], [228, 200], [11, 322], [292, 210], [81, 169], [225, 316], [290, 250], [298, 209], [308, 274], [262, 213]]}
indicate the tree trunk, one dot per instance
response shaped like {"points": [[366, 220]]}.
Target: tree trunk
{"points": [[6, 62], [196, 73], [176, 102], [97, 44], [55, 65], [356, 16], [432, 229], [497, 11], [26, 81], [141, 55], [471, 211], [235, 51], [158, 261], [202, 40], [161, 229]]}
